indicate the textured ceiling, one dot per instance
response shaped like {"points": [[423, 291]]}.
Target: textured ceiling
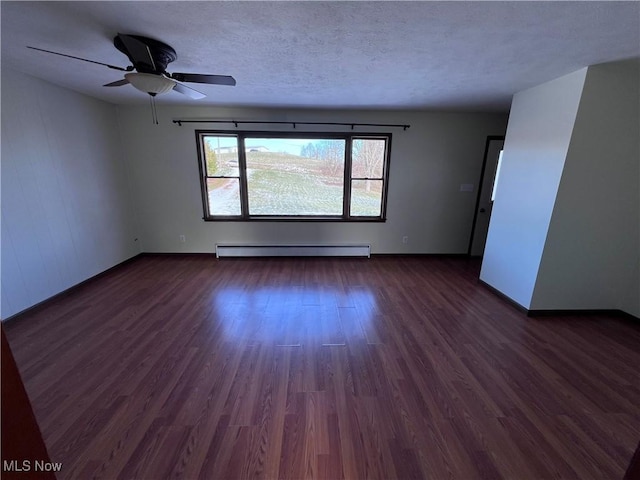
{"points": [[420, 55]]}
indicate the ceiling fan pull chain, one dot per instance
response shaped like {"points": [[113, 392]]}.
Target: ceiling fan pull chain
{"points": [[154, 112]]}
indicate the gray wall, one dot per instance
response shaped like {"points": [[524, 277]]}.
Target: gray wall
{"points": [[82, 179], [592, 256], [66, 209], [429, 162], [564, 232], [535, 149]]}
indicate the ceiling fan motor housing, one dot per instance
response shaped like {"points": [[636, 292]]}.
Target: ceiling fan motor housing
{"points": [[161, 53]]}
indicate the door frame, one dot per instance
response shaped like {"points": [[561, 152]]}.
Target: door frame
{"points": [[490, 138]]}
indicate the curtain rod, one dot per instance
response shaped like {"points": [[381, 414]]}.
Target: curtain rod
{"points": [[238, 122]]}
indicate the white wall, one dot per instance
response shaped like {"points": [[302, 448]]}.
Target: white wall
{"points": [[66, 210], [591, 258], [429, 161], [540, 125]]}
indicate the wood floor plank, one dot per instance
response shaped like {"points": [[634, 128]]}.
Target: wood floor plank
{"points": [[392, 367]]}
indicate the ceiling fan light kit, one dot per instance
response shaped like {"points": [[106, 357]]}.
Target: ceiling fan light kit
{"points": [[150, 83]]}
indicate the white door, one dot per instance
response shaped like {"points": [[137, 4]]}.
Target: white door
{"points": [[485, 202]]}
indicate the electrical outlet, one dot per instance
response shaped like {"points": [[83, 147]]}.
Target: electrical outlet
{"points": [[183, 239], [405, 239]]}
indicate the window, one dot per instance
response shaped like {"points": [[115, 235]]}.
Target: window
{"points": [[281, 176]]}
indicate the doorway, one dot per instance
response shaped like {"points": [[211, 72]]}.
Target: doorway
{"points": [[484, 202]]}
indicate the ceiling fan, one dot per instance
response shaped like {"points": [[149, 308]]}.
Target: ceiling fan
{"points": [[149, 59]]}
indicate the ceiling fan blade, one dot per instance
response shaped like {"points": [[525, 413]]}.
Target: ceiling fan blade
{"points": [[128, 69], [188, 91], [117, 83], [199, 78], [139, 53]]}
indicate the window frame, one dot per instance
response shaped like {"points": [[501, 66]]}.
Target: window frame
{"points": [[244, 216]]}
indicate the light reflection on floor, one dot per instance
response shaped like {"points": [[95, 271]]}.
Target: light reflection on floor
{"points": [[294, 315]]}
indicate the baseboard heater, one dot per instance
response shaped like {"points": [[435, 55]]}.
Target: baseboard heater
{"points": [[293, 251]]}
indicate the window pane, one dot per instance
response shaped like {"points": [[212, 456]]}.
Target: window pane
{"points": [[295, 176], [221, 156], [366, 198], [224, 196], [367, 158]]}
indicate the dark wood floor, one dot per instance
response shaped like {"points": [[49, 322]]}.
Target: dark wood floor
{"points": [[190, 367]]}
